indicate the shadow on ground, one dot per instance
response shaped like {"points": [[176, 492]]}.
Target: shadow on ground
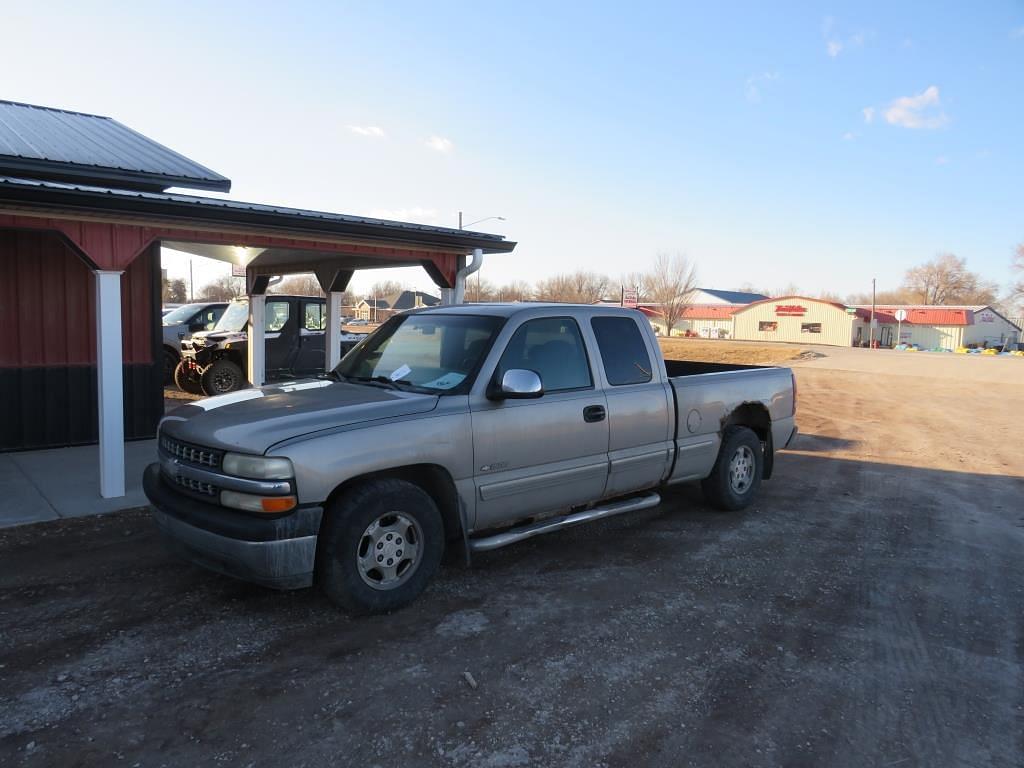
{"points": [[860, 614]]}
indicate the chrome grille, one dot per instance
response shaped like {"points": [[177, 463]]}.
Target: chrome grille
{"points": [[191, 454], [196, 486]]}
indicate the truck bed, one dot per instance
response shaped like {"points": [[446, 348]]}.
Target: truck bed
{"points": [[677, 368]]}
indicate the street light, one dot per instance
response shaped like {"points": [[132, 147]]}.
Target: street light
{"points": [[478, 221]]}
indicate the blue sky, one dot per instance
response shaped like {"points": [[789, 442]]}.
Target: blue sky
{"points": [[815, 144]]}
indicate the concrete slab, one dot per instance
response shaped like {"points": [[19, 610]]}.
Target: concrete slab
{"points": [[23, 502], [64, 482]]}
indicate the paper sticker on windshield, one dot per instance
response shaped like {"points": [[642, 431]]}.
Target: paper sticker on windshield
{"points": [[400, 372], [447, 381]]}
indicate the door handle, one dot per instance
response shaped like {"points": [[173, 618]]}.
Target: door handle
{"points": [[593, 413]]}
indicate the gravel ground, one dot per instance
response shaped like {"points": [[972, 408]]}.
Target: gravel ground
{"points": [[866, 612]]}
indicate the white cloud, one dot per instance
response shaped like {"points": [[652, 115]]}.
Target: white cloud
{"points": [[440, 144], [941, 160], [836, 42], [367, 130], [1017, 33], [923, 110], [754, 83], [415, 214], [849, 136], [869, 114]]}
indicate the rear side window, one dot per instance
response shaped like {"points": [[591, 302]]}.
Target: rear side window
{"points": [[623, 350], [313, 316], [553, 347]]}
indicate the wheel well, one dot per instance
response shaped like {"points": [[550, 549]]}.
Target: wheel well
{"points": [[433, 479], [755, 417], [172, 350]]}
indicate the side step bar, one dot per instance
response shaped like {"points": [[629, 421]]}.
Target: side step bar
{"points": [[505, 538]]}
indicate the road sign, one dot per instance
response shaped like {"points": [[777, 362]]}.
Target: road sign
{"points": [[630, 297], [900, 315]]}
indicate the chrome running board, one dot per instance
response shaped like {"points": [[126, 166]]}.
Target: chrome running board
{"points": [[505, 538]]}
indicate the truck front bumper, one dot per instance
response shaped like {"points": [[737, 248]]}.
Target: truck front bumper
{"points": [[276, 552]]}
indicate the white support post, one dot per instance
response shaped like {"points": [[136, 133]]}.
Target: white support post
{"points": [[332, 336], [257, 344], [110, 382]]}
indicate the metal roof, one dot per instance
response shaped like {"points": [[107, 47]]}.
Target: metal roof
{"points": [[45, 143], [164, 206], [734, 297]]}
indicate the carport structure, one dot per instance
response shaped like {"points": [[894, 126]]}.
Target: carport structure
{"points": [[99, 189]]}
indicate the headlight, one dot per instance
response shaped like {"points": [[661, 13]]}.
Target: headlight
{"points": [[257, 467], [250, 503]]}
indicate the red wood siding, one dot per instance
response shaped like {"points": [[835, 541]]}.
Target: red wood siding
{"points": [[48, 304]]}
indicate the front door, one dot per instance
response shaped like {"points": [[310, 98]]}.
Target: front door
{"points": [[545, 454], [281, 332]]}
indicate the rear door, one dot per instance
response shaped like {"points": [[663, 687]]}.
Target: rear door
{"points": [[281, 333], [544, 454], [312, 335], [640, 407]]}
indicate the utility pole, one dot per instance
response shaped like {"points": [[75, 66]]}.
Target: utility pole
{"points": [[871, 337], [191, 283]]}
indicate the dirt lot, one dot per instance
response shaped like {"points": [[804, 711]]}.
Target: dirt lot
{"points": [[866, 612], [708, 351]]}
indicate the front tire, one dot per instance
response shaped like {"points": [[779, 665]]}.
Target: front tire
{"points": [[186, 381], [736, 477], [220, 377], [381, 544]]}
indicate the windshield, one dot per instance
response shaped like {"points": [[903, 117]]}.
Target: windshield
{"points": [[234, 318], [182, 314], [429, 352]]}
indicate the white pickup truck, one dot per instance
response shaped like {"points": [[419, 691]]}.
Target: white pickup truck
{"points": [[459, 428]]}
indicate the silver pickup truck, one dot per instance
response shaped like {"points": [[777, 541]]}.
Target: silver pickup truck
{"points": [[458, 429]]}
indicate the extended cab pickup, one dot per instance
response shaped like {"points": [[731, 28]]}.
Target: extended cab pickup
{"points": [[463, 428]]}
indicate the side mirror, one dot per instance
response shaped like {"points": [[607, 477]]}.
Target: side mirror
{"points": [[518, 384]]}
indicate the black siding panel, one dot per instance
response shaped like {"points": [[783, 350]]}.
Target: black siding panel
{"points": [[50, 407]]}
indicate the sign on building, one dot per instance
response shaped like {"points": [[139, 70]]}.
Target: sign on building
{"points": [[630, 297], [790, 310], [237, 270]]}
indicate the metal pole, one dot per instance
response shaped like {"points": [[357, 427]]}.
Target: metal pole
{"points": [[460, 219], [871, 337], [191, 283]]}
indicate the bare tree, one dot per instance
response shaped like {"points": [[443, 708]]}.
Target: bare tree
{"points": [[890, 297], [670, 283], [517, 290], [946, 280], [174, 291], [636, 280], [298, 285], [579, 287], [1018, 266], [479, 290], [224, 288], [384, 288]]}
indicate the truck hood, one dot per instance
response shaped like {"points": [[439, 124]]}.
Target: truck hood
{"points": [[252, 420]]}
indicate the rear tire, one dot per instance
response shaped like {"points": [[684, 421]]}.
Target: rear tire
{"points": [[220, 377], [380, 546], [736, 477], [186, 381]]}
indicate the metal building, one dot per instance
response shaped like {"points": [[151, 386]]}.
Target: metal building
{"points": [[83, 211]]}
